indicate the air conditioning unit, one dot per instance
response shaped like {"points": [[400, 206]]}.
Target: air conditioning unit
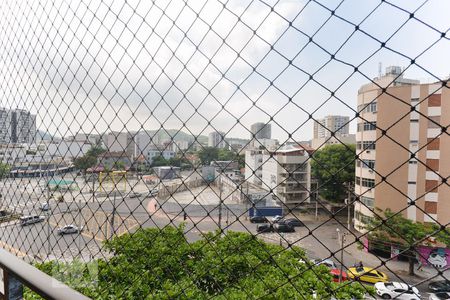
{"points": [[367, 151]]}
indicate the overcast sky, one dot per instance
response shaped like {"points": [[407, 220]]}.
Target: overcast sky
{"points": [[125, 65]]}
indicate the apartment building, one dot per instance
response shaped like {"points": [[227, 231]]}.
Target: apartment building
{"points": [[17, 126], [5, 126], [287, 172], [261, 131], [217, 139], [333, 123], [254, 166], [402, 149], [23, 127]]}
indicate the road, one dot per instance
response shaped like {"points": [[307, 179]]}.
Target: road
{"points": [[108, 216]]}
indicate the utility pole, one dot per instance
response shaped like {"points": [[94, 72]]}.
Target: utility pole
{"points": [[341, 238], [348, 202], [220, 203]]}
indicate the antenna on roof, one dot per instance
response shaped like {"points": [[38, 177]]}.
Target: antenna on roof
{"points": [[379, 69]]}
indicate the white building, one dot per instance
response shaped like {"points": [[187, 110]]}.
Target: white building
{"points": [[152, 153], [68, 150], [287, 172], [253, 166], [217, 139]]}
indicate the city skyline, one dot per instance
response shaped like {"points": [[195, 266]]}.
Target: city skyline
{"points": [[123, 82]]}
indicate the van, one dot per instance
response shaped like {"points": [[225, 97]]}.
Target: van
{"points": [[28, 220]]}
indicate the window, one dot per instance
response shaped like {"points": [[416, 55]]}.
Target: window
{"points": [[413, 162], [358, 145], [368, 145], [411, 182], [368, 107], [368, 164], [369, 202], [357, 180], [366, 126], [367, 182]]}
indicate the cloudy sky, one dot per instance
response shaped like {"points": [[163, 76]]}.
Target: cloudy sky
{"points": [[125, 65]]}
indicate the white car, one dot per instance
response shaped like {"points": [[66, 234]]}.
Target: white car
{"points": [[276, 219], [439, 296], [69, 229], [397, 290], [326, 262], [28, 220]]}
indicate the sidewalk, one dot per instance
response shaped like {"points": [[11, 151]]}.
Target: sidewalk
{"points": [[397, 269]]}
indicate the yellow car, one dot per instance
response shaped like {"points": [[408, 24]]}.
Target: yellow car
{"points": [[367, 275]]}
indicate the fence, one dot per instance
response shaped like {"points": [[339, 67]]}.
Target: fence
{"points": [[281, 99]]}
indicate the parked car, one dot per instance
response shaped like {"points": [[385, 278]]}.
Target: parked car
{"points": [[439, 286], [277, 219], [292, 222], [367, 275], [258, 219], [326, 262], [135, 195], [397, 290], [45, 206], [69, 229], [28, 220], [439, 296], [153, 193], [264, 228], [335, 273], [283, 228]]}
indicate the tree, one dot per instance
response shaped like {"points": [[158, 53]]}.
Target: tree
{"points": [[208, 154], [159, 161], [157, 263], [88, 160], [333, 166], [4, 170], [391, 228]]}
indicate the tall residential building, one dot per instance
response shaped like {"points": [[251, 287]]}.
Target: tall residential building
{"points": [[287, 172], [5, 126], [23, 127], [261, 131], [217, 139], [402, 168], [333, 123]]}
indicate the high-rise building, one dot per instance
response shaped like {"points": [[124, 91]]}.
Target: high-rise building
{"points": [[261, 131], [331, 124], [23, 127], [403, 151], [217, 139], [5, 126]]}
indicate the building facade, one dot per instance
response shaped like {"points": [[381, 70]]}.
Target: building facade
{"points": [[287, 172], [254, 166], [261, 131], [5, 126], [23, 127], [331, 124], [121, 142], [339, 139], [217, 139], [402, 149]]}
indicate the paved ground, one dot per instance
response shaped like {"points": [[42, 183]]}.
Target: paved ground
{"points": [[108, 216]]}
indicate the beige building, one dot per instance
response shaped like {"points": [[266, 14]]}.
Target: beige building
{"points": [[403, 154]]}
